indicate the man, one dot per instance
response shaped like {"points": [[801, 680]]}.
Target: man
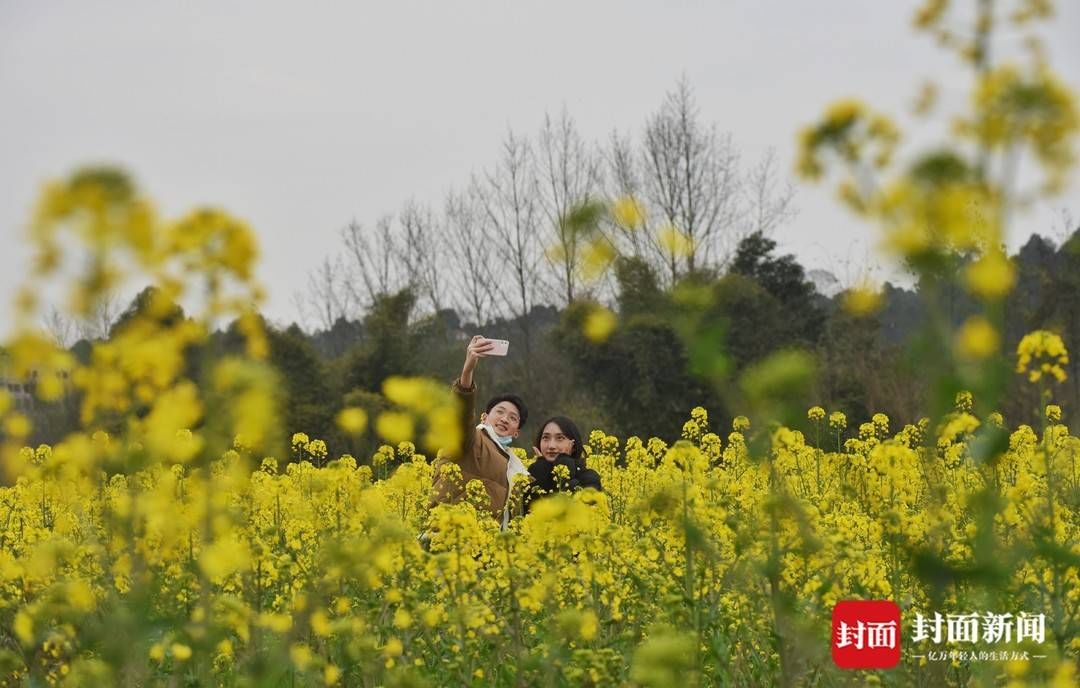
{"points": [[485, 453]]}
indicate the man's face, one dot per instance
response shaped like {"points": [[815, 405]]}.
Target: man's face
{"points": [[504, 418]]}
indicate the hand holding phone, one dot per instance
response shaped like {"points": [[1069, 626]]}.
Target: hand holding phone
{"points": [[499, 347], [480, 347]]}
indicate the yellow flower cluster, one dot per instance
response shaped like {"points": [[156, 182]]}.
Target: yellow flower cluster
{"points": [[149, 550], [1017, 109], [850, 131], [328, 566], [1042, 354], [945, 213], [138, 379]]}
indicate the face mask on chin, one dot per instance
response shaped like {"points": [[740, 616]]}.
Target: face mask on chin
{"points": [[504, 442]]}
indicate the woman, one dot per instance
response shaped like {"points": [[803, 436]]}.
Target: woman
{"points": [[558, 443]]}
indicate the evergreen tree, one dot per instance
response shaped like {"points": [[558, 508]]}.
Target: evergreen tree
{"points": [[784, 279], [309, 406]]}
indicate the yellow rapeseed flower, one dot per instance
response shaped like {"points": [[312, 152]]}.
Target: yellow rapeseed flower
{"points": [[599, 324], [99, 521], [320, 623], [352, 420], [180, 652], [1053, 413], [991, 277], [279, 623], [394, 426], [331, 675], [411, 392], [1041, 353], [597, 256], [81, 596], [863, 301], [837, 421], [628, 212], [23, 627], [402, 619], [17, 425], [675, 241], [223, 558], [1034, 108], [393, 648], [301, 656], [977, 339], [590, 625]]}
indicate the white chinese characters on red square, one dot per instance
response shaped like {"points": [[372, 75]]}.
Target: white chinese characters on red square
{"points": [[866, 634]]}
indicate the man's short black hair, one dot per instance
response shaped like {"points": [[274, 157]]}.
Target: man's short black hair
{"points": [[523, 413]]}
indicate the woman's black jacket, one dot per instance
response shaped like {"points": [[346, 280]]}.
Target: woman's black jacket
{"points": [[546, 482]]}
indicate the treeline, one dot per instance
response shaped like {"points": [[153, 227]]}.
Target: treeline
{"points": [[686, 239], [502, 242], [642, 379]]}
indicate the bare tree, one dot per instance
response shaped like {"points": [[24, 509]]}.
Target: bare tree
{"points": [[97, 324], [1064, 227], [328, 297], [626, 178], [510, 209], [568, 174], [691, 177], [508, 199], [624, 174], [769, 202], [373, 266], [418, 251], [511, 222], [472, 271], [60, 327], [857, 267]]}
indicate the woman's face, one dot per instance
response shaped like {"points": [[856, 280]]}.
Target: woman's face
{"points": [[553, 441]]}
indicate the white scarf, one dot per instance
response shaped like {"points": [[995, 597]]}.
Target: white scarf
{"points": [[514, 467]]}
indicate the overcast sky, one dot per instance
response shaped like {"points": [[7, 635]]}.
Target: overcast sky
{"points": [[300, 116]]}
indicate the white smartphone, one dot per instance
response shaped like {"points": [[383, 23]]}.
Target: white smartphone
{"points": [[499, 348]]}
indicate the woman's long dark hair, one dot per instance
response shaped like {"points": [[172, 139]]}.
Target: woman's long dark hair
{"points": [[568, 428]]}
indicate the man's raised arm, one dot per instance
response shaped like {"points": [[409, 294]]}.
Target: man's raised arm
{"points": [[465, 388]]}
